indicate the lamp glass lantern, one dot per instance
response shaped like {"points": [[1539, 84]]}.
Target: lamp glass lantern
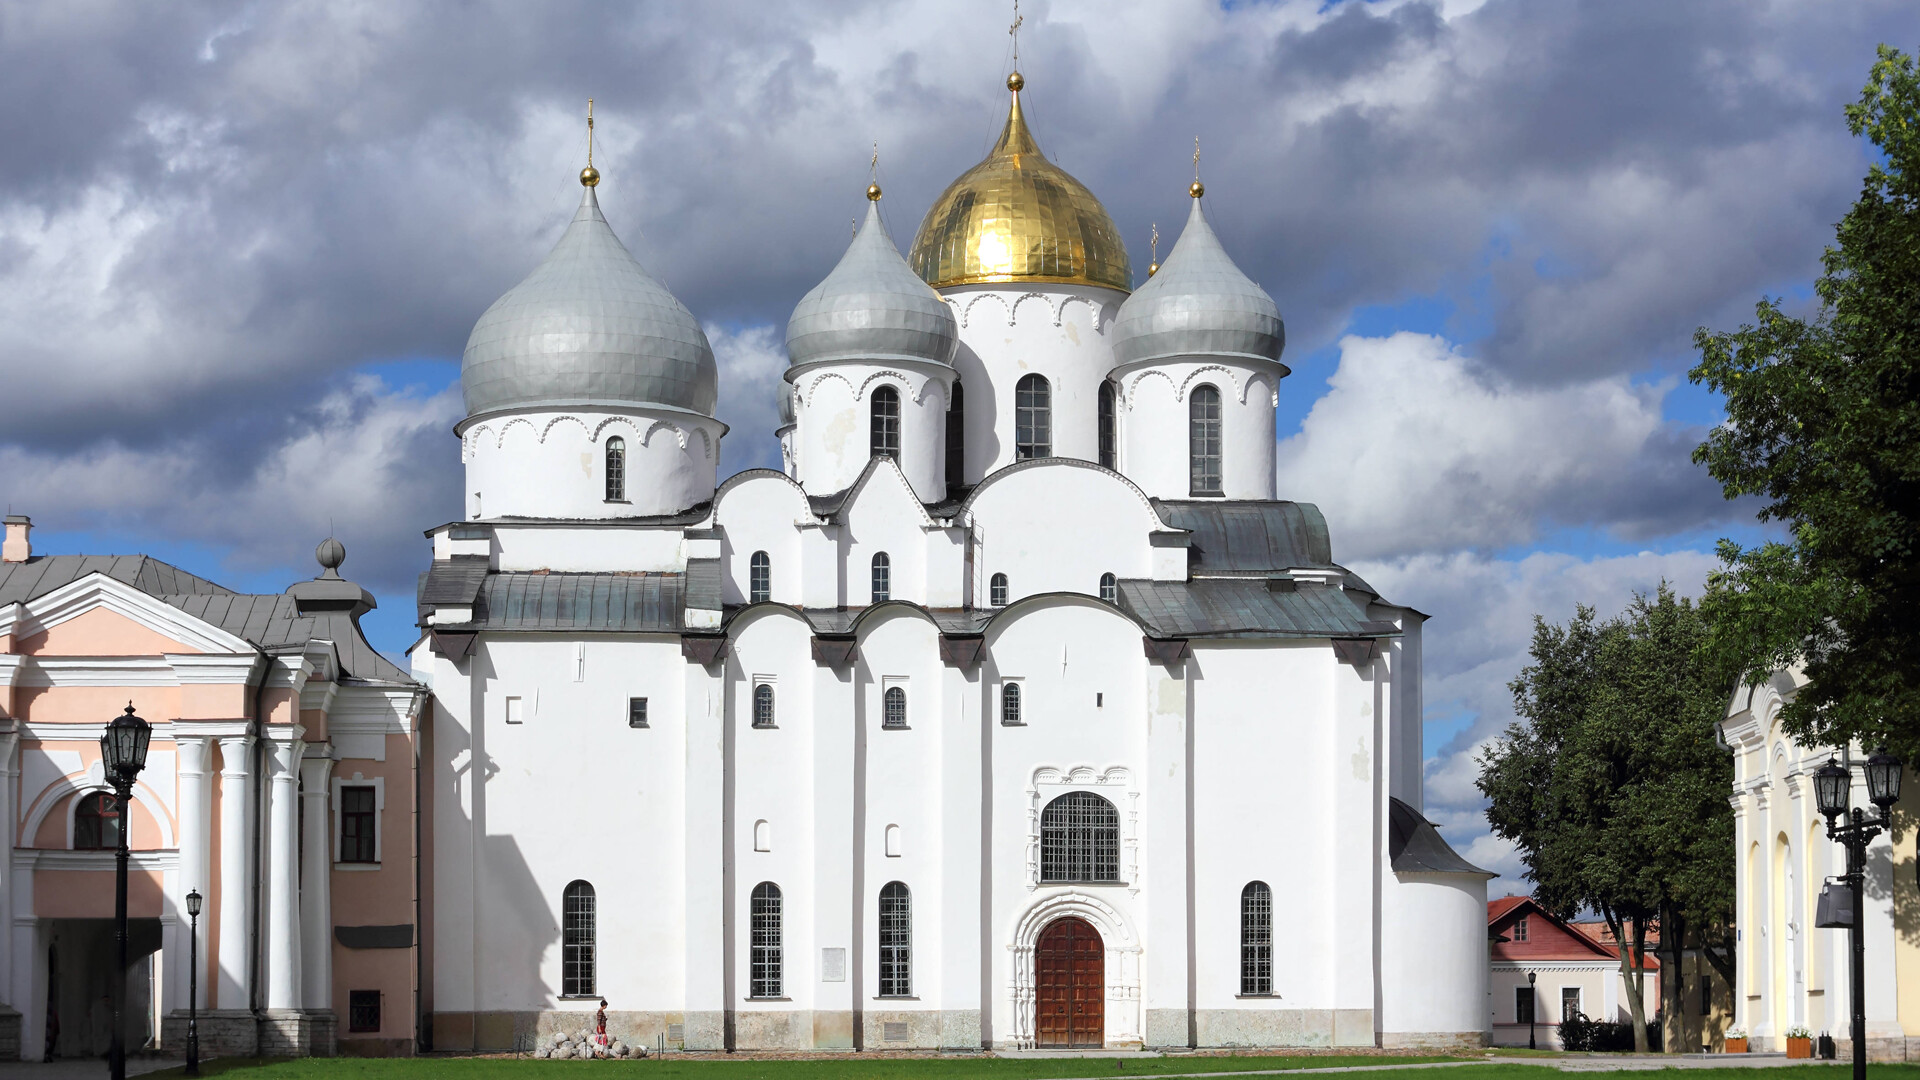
{"points": [[1883, 779], [123, 748], [193, 903], [1830, 787]]}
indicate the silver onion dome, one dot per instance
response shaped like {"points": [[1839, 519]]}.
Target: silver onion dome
{"points": [[589, 326], [872, 307], [1198, 304]]}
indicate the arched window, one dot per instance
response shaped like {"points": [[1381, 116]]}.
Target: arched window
{"points": [[616, 470], [577, 940], [957, 438], [882, 578], [759, 578], [997, 590], [1203, 440], [1032, 419], [896, 707], [96, 822], [763, 705], [883, 430], [1256, 938], [1010, 703], [1107, 439], [896, 940], [1109, 588], [766, 950], [1079, 839]]}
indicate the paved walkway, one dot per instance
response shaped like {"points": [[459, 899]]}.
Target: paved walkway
{"points": [[80, 1068], [1571, 1063]]}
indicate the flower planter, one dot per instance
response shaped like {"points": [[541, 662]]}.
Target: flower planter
{"points": [[1798, 1047], [1736, 1046]]}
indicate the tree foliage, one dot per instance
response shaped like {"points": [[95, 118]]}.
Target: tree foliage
{"points": [[1823, 422], [1613, 786]]}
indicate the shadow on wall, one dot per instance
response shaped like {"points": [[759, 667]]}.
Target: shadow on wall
{"points": [[80, 953], [1902, 880]]}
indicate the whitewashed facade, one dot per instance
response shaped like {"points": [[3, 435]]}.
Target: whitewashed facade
{"points": [[675, 693]]}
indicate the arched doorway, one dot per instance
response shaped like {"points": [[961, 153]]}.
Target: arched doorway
{"points": [[1070, 985]]}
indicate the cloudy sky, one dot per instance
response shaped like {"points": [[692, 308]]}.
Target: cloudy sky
{"points": [[242, 244]]}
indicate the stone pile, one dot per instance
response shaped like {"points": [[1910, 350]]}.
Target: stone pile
{"points": [[584, 1046]]}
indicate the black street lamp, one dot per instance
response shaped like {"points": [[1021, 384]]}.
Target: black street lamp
{"points": [[193, 983], [1831, 786], [1533, 1008], [123, 751]]}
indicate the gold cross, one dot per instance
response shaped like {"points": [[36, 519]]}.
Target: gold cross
{"points": [[1196, 157], [589, 133], [1156, 243], [1014, 31]]}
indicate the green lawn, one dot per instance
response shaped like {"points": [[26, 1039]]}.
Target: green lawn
{"points": [[931, 1069]]}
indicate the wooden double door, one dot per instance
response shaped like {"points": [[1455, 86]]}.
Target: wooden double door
{"points": [[1070, 973]]}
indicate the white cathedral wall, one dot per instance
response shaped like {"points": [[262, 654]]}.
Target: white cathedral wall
{"points": [[1057, 331], [1433, 960], [588, 548], [1035, 526], [1154, 415], [884, 516], [551, 463], [761, 513], [833, 436]]}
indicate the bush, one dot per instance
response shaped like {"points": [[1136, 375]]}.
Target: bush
{"points": [[1579, 1033]]}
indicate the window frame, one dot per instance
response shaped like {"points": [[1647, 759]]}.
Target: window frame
{"points": [[890, 719], [1577, 996], [998, 591], [359, 826], [1032, 418], [640, 720], [1256, 940], [1520, 929], [356, 1010], [1525, 1005], [1109, 588], [1206, 450], [765, 714], [883, 423], [614, 460], [956, 461], [1011, 704], [109, 811], [759, 578], [895, 953], [1080, 831], [880, 584], [337, 804], [1109, 420], [579, 940], [766, 944]]}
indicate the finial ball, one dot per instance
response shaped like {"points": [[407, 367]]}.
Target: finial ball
{"points": [[589, 177], [1015, 82], [330, 554], [1152, 269], [1196, 189], [873, 192]]}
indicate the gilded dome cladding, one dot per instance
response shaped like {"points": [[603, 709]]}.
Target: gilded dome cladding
{"points": [[1018, 217]]}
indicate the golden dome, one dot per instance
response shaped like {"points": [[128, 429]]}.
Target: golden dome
{"points": [[1018, 217]]}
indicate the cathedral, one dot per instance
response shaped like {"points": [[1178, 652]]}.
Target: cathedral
{"points": [[1015, 711]]}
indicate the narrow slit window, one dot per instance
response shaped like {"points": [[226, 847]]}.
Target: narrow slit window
{"points": [[957, 438], [895, 707], [884, 426], [1256, 939], [577, 940], [997, 590], [1203, 428], [1108, 452], [616, 470], [766, 946], [763, 705], [1033, 418], [1109, 588], [759, 578], [896, 940], [1010, 704], [882, 578]]}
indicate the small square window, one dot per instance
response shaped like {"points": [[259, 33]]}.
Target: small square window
{"points": [[513, 710], [636, 712], [363, 1011]]}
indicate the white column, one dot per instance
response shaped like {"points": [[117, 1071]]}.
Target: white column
{"points": [[316, 892], [194, 754], [235, 903], [283, 872], [8, 742]]}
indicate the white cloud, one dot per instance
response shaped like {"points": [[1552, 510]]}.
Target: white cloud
{"points": [[753, 361]]}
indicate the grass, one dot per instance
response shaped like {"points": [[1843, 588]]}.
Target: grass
{"points": [[941, 1068]]}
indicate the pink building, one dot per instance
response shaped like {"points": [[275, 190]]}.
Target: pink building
{"points": [[280, 785]]}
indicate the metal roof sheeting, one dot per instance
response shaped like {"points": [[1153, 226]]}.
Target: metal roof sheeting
{"points": [[1243, 607], [1250, 536], [1414, 846], [42, 574], [632, 603]]}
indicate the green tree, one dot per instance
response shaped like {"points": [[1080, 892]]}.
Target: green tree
{"points": [[1823, 422], [1612, 785]]}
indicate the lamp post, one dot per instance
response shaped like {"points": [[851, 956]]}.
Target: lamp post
{"points": [[123, 753], [1832, 784], [193, 983], [1533, 1008]]}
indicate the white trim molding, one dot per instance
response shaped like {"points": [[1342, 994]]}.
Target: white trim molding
{"points": [[1121, 961]]}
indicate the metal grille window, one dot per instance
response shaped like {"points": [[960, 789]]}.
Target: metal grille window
{"points": [[882, 578], [896, 707], [577, 940], [763, 705], [1107, 424], [957, 438], [363, 1011], [1079, 839], [1033, 419], [357, 824], [1203, 430], [1010, 703], [96, 823], [636, 712], [896, 940], [616, 470], [1256, 939], [1109, 588], [766, 948], [997, 590], [883, 431], [759, 578]]}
